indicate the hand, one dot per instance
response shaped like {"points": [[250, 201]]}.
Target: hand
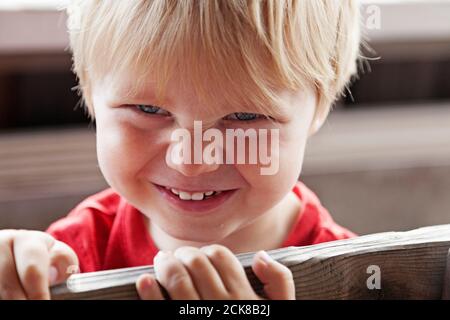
{"points": [[214, 272], [31, 261]]}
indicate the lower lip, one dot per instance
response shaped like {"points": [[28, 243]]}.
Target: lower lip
{"points": [[195, 207]]}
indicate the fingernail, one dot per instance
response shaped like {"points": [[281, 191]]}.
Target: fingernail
{"points": [[72, 269], [265, 257], [147, 283], [53, 274]]}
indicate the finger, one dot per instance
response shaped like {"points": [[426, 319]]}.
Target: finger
{"points": [[10, 287], [31, 252], [62, 260], [205, 277], [148, 288], [277, 279], [229, 269], [174, 277]]}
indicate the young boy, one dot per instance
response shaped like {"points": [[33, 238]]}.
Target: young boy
{"points": [[150, 68]]}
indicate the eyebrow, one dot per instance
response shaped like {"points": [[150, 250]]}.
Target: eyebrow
{"points": [[122, 93]]}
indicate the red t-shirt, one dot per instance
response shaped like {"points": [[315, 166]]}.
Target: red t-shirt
{"points": [[106, 232]]}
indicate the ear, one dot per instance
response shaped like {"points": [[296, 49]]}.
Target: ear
{"points": [[320, 115]]}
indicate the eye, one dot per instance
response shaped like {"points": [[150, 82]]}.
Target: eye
{"points": [[149, 109], [244, 116]]}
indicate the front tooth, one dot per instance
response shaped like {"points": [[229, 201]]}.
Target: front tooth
{"points": [[184, 195], [175, 191], [209, 193], [197, 196]]}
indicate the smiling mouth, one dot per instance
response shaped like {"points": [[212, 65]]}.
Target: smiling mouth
{"points": [[195, 196], [198, 202]]}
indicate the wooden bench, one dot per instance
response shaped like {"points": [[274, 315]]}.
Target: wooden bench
{"points": [[393, 265]]}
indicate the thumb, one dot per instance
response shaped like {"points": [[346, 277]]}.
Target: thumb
{"points": [[277, 279], [63, 262]]}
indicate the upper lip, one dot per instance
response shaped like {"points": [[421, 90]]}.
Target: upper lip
{"points": [[195, 189]]}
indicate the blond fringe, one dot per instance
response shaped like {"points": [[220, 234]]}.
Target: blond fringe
{"points": [[253, 48]]}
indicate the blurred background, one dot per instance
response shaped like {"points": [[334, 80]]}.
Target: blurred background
{"points": [[380, 163]]}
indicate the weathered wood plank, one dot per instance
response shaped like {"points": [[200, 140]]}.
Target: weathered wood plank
{"points": [[412, 266], [446, 284]]}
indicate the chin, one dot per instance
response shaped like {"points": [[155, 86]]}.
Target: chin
{"points": [[182, 234]]}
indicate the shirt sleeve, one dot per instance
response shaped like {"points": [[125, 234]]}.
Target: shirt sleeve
{"points": [[86, 233], [315, 224]]}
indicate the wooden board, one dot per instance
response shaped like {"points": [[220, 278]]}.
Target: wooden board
{"points": [[412, 266]]}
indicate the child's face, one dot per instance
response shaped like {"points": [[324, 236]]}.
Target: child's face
{"points": [[132, 146]]}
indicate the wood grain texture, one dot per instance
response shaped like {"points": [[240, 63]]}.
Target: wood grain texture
{"points": [[412, 266], [446, 284]]}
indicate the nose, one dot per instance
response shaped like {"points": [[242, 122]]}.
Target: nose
{"points": [[182, 160], [193, 170]]}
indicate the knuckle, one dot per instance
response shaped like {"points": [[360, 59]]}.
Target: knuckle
{"points": [[7, 235], [72, 269], [180, 251], [32, 274], [184, 251], [285, 274], [34, 237], [165, 267], [196, 261], [191, 257], [178, 280], [217, 251], [63, 257], [20, 234], [169, 273], [60, 253], [33, 253], [63, 248]]}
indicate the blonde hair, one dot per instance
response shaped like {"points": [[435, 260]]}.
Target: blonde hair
{"points": [[254, 46]]}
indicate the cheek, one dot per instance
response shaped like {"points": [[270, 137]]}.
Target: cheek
{"points": [[267, 190], [123, 151], [292, 152]]}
